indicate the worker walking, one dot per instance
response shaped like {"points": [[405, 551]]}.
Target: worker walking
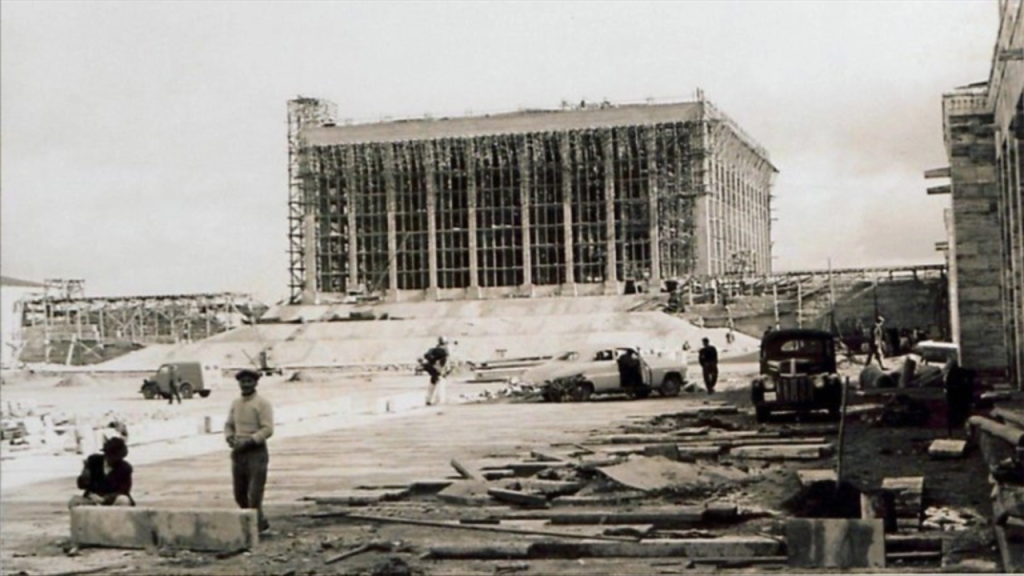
{"points": [[876, 345], [708, 358], [250, 423], [435, 363], [173, 385]]}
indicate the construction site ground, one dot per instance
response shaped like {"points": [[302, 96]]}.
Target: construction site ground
{"points": [[330, 457]]}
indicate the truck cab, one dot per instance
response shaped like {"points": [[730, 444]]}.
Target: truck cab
{"points": [[798, 373]]}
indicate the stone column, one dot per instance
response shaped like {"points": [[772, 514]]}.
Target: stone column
{"points": [[975, 190], [471, 201], [570, 258], [611, 280], [429, 158], [352, 282], [653, 217], [392, 205], [525, 178]]}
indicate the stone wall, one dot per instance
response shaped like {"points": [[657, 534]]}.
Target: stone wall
{"points": [[978, 260]]}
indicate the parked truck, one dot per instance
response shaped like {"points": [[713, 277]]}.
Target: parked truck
{"points": [[193, 378]]}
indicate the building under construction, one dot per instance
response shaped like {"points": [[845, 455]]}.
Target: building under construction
{"points": [[588, 200]]}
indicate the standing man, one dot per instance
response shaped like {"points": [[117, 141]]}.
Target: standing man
{"points": [[173, 380], [876, 344], [250, 423], [435, 363], [959, 387], [708, 358]]}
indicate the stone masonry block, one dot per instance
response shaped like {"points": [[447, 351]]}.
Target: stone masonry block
{"points": [[201, 530], [980, 293]]}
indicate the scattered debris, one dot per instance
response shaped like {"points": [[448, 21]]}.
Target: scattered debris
{"points": [[657, 473]]}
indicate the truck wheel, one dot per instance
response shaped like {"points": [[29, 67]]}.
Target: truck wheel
{"points": [[185, 390], [204, 393], [671, 386], [148, 392]]}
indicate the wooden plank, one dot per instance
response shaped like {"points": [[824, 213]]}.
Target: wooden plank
{"points": [[943, 172], [462, 470], [798, 452], [945, 189], [821, 543], [478, 528]]}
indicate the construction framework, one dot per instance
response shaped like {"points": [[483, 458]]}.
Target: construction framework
{"points": [[63, 326], [592, 200]]}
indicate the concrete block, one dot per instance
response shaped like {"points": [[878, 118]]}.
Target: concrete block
{"points": [[808, 477], [947, 449], [820, 543], [200, 530]]}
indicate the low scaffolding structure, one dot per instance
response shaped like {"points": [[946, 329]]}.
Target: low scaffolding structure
{"points": [[58, 328]]}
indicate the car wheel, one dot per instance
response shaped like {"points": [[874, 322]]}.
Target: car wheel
{"points": [[583, 392], [149, 392], [185, 390], [671, 386]]}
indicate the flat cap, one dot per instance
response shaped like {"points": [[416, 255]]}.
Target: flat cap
{"points": [[247, 374]]}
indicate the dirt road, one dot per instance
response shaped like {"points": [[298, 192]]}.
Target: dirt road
{"points": [[419, 445]]}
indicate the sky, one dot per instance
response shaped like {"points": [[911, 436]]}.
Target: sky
{"points": [[144, 148]]}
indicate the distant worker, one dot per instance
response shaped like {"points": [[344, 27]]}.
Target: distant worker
{"points": [[435, 363], [106, 478], [876, 345], [708, 359], [631, 375], [959, 387], [250, 423], [173, 384], [730, 337]]}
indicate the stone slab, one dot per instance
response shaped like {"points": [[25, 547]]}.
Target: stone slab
{"points": [[212, 530], [821, 543], [947, 449]]}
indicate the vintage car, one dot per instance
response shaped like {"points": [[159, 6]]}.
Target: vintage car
{"points": [[798, 373], [579, 374]]}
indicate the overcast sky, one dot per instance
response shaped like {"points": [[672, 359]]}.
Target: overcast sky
{"points": [[144, 144]]}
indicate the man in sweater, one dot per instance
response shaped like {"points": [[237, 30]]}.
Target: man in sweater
{"points": [[250, 423], [106, 478]]}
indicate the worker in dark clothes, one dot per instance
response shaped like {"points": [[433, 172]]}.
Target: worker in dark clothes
{"points": [[106, 478], [876, 345], [630, 374], [173, 384], [250, 423], [959, 386], [708, 358], [435, 363]]}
